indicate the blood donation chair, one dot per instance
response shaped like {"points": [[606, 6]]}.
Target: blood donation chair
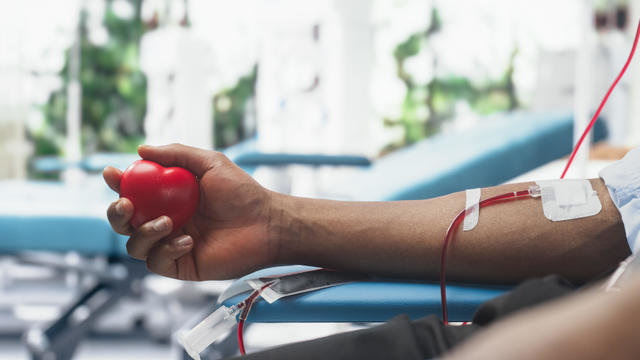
{"points": [[500, 149]]}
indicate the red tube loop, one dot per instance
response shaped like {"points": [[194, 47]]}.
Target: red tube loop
{"points": [[515, 195]]}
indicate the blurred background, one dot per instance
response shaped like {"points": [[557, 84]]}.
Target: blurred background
{"points": [[316, 98]]}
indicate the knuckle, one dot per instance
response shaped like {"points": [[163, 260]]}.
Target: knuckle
{"points": [[145, 229], [127, 205], [110, 217], [156, 228], [151, 265], [116, 216], [123, 230], [131, 248], [218, 158], [153, 262], [111, 209], [135, 247], [115, 225], [219, 155], [216, 154], [118, 223]]}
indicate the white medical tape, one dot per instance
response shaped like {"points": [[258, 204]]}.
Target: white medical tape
{"points": [[472, 209], [568, 199]]}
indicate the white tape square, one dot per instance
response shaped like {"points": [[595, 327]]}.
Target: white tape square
{"points": [[570, 194], [472, 209], [568, 199]]}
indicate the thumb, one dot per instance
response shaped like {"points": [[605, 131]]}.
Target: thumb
{"points": [[196, 160]]}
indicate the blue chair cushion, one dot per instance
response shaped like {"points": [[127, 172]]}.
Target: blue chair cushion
{"points": [[51, 216], [86, 235], [500, 148]]}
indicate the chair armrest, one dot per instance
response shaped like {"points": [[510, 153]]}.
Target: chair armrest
{"points": [[50, 164], [365, 301], [278, 159], [98, 161], [247, 154]]}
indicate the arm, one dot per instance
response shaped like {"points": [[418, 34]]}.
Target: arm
{"points": [[588, 325], [405, 238], [240, 227]]}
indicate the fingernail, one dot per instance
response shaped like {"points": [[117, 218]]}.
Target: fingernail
{"points": [[183, 241], [161, 224], [119, 208]]}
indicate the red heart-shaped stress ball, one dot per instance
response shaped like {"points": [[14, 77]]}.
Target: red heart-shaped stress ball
{"points": [[155, 191]]}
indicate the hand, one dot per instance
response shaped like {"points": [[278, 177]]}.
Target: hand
{"points": [[228, 235]]}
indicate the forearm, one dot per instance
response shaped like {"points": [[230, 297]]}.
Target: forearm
{"points": [[405, 238], [588, 325]]}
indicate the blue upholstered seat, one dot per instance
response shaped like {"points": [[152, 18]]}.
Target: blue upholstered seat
{"points": [[51, 216], [501, 147]]}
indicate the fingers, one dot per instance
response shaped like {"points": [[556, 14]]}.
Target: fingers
{"points": [[112, 177], [119, 214], [147, 235], [196, 160], [162, 257]]}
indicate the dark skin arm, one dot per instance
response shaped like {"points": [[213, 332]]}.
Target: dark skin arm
{"points": [[588, 325], [240, 227], [405, 238]]}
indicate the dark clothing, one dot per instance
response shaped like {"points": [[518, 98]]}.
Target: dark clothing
{"points": [[425, 338]]}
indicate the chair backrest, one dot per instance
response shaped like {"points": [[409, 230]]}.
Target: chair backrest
{"points": [[498, 149]]}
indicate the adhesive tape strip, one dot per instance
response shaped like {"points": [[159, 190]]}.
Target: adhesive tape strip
{"points": [[568, 199], [472, 209]]}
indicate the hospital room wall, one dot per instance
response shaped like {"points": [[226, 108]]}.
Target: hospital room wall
{"points": [[13, 102], [14, 148], [634, 92]]}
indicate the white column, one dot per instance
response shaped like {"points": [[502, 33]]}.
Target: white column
{"points": [[351, 76], [13, 101], [583, 104], [73, 145], [178, 66], [314, 77]]}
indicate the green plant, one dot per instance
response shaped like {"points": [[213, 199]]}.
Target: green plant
{"points": [[427, 106], [113, 91], [229, 107]]}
